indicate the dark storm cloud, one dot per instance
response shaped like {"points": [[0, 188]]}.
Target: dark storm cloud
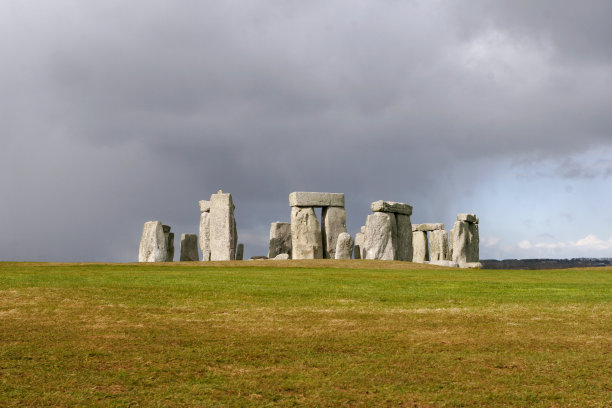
{"points": [[115, 113]]}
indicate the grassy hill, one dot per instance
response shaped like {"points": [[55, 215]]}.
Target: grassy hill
{"points": [[303, 333]]}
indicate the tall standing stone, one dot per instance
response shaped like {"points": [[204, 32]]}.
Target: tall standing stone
{"points": [[474, 247], [460, 237], [222, 227], [280, 239], [306, 240], [404, 238], [153, 243], [189, 248], [344, 246], [204, 236], [333, 223], [363, 248], [170, 244], [438, 246], [239, 252], [420, 247], [381, 236]]}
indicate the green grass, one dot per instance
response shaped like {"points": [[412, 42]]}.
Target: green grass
{"points": [[295, 333]]}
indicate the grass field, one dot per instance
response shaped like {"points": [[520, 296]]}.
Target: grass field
{"points": [[317, 333]]}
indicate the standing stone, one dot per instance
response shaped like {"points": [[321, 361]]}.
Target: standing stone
{"points": [[460, 238], [438, 246], [344, 246], [280, 239], [222, 227], [381, 236], [420, 248], [333, 223], [239, 252], [404, 238], [170, 244], [152, 243], [359, 242], [362, 248], [204, 237], [167, 229], [473, 255], [189, 248], [306, 240], [310, 199]]}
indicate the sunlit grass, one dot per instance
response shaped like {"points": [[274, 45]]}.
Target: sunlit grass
{"points": [[303, 333]]}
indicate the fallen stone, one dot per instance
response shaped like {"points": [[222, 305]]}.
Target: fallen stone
{"points": [[309, 199], [344, 246], [381, 236], [204, 235], [467, 218], [359, 242], [204, 205], [189, 248], [280, 239], [391, 207], [438, 246], [153, 247], [473, 265], [420, 246], [449, 264], [282, 257], [333, 223], [427, 227], [306, 242], [259, 257], [239, 252], [404, 238]]}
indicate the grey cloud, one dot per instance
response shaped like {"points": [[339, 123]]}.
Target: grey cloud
{"points": [[134, 111]]}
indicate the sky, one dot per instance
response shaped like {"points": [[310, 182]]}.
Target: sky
{"points": [[114, 113]]}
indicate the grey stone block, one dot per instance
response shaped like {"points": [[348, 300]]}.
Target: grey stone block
{"points": [[306, 240], [427, 227], [311, 199], [420, 245], [189, 248], [381, 236], [333, 223], [404, 238], [153, 243], [344, 246], [280, 239], [222, 227], [391, 207]]}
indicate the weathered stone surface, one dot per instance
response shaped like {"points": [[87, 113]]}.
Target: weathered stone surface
{"points": [[404, 238], [310, 199], [222, 227], [438, 246], [344, 246], [333, 223], [170, 244], [359, 243], [467, 218], [204, 205], [391, 206], [449, 264], [281, 257], [420, 246], [460, 237], [204, 235], [427, 227], [473, 254], [306, 240], [259, 257], [473, 265], [166, 228], [152, 243], [362, 229], [381, 236], [189, 248], [239, 252], [280, 239]]}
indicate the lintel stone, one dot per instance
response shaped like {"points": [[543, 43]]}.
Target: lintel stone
{"points": [[310, 199], [427, 227], [472, 218], [391, 207]]}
